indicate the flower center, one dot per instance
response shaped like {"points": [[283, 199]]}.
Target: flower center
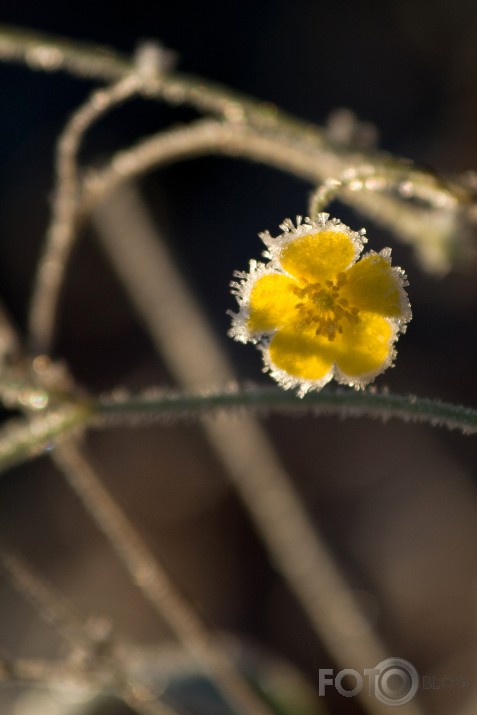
{"points": [[322, 306]]}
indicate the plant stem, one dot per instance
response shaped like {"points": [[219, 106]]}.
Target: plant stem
{"points": [[24, 440], [62, 230], [343, 403], [432, 232]]}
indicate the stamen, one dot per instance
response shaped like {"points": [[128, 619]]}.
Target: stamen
{"points": [[322, 305]]}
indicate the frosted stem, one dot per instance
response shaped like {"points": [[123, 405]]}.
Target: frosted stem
{"points": [[160, 405], [432, 231], [24, 440], [61, 233], [398, 177]]}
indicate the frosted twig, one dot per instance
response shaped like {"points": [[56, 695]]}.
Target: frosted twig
{"points": [[61, 233], [408, 182], [52, 54], [191, 352], [438, 227], [153, 582], [39, 51], [432, 232], [97, 659]]}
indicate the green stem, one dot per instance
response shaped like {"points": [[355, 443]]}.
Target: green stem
{"points": [[23, 440], [340, 402]]}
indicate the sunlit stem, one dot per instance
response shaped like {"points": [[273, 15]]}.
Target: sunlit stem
{"points": [[407, 182]]}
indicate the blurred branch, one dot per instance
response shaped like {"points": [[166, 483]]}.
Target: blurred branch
{"points": [[153, 582], [40, 672], [96, 660], [22, 439], [52, 54], [61, 674], [53, 608]]}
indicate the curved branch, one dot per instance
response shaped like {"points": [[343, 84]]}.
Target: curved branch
{"points": [[62, 230], [432, 232]]}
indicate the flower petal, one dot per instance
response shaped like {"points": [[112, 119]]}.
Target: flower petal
{"points": [[271, 303], [373, 285], [365, 349], [319, 256], [301, 354]]}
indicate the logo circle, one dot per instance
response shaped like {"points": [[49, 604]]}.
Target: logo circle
{"points": [[397, 681]]}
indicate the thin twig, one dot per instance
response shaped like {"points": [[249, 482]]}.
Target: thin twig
{"points": [[432, 232], [153, 582], [44, 52], [61, 233], [185, 341], [49, 53], [48, 604], [100, 663], [387, 177], [53, 54]]}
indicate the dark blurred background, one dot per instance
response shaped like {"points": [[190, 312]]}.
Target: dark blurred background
{"points": [[396, 503]]}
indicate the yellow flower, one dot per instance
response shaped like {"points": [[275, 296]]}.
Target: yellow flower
{"points": [[316, 311]]}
